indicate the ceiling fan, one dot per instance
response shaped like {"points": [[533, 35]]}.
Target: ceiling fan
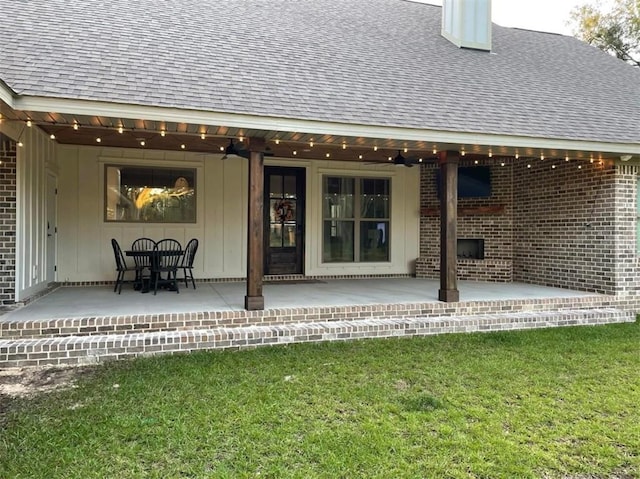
{"points": [[408, 161], [399, 159], [234, 150]]}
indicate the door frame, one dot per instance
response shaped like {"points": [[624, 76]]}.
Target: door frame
{"points": [[51, 246], [301, 192]]}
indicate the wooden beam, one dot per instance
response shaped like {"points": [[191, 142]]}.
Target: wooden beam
{"points": [[254, 299], [448, 163]]}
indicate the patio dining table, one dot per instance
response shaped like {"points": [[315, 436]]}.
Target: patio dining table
{"points": [[153, 257]]}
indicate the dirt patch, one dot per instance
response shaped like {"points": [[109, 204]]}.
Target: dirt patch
{"points": [[16, 383]]}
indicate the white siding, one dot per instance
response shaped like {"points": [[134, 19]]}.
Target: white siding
{"points": [[34, 159], [84, 237]]}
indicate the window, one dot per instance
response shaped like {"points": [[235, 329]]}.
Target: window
{"points": [[356, 216], [149, 194]]}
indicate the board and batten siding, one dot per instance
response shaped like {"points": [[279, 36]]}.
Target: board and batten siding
{"points": [[35, 160], [85, 253]]}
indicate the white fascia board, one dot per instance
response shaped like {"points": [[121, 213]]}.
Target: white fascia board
{"points": [[7, 95], [266, 123]]}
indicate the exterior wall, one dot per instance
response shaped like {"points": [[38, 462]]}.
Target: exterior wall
{"points": [[490, 219], [85, 253], [7, 220], [561, 226], [575, 228], [34, 161]]}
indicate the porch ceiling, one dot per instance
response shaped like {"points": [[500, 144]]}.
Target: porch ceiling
{"points": [[121, 132]]}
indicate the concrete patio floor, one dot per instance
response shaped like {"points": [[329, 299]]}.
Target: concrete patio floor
{"points": [[88, 301]]}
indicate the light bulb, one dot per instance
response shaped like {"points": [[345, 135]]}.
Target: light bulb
{"points": [[277, 141], [142, 143], [328, 155], [98, 140], [75, 126], [120, 129], [203, 136], [375, 148], [163, 133], [52, 136], [183, 146], [29, 123]]}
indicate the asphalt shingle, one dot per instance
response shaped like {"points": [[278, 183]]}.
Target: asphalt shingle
{"points": [[371, 62]]}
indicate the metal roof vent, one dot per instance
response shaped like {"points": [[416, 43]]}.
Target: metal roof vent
{"points": [[467, 23]]}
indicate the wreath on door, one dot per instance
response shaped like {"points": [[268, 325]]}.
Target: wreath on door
{"points": [[283, 210]]}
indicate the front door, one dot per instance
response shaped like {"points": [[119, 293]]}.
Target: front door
{"points": [[52, 228], [284, 191]]}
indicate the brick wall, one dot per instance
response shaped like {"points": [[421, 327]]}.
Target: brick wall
{"points": [[575, 227], [554, 223], [490, 219], [7, 220]]}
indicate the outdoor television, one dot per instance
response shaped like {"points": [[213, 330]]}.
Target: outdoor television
{"points": [[473, 182]]}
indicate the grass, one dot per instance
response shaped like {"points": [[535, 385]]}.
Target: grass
{"points": [[532, 404]]}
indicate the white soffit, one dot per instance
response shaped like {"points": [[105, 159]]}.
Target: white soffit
{"points": [[256, 122]]}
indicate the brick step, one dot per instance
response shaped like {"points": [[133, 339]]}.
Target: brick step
{"points": [[146, 323], [93, 349]]}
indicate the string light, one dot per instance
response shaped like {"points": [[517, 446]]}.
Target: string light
{"points": [[475, 162], [375, 148], [183, 146], [295, 152], [541, 156], [311, 144], [490, 153], [435, 150], [163, 133], [277, 141], [502, 163], [203, 136], [566, 158], [20, 143], [75, 125], [344, 146], [142, 143], [462, 153], [120, 130], [359, 157], [517, 155], [29, 123], [52, 136], [328, 155], [98, 140], [529, 165]]}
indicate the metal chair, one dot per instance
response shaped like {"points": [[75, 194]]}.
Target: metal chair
{"points": [[121, 266], [143, 261], [166, 259], [186, 265]]}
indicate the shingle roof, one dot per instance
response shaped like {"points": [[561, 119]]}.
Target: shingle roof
{"points": [[371, 62]]}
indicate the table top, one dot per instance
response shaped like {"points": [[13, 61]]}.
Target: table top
{"points": [[151, 252]]}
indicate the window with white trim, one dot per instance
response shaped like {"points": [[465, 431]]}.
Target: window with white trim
{"points": [[143, 194], [356, 219]]}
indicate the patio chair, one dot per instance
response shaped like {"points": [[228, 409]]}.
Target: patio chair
{"points": [[121, 266], [143, 261], [166, 259], [186, 265]]}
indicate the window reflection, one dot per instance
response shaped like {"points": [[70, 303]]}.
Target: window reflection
{"points": [[150, 195]]}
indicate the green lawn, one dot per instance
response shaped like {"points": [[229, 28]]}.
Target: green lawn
{"points": [[539, 404]]}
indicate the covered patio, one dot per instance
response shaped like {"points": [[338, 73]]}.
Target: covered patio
{"points": [[80, 325]]}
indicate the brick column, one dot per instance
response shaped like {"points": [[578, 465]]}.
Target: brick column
{"points": [[7, 220]]}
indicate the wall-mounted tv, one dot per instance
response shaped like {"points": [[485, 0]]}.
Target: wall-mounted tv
{"points": [[473, 182]]}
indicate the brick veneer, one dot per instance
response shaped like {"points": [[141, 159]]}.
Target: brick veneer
{"points": [[555, 223], [575, 227], [87, 340], [7, 220], [495, 227]]}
